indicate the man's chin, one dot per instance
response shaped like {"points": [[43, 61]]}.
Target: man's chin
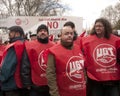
{"points": [[69, 41], [42, 37]]}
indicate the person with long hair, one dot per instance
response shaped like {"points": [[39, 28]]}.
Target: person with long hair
{"points": [[99, 48]]}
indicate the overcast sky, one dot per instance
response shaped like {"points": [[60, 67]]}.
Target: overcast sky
{"points": [[90, 10]]}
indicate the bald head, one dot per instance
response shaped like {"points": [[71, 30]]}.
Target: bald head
{"points": [[67, 29], [67, 34]]}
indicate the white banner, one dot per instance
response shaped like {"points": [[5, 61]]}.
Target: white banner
{"points": [[54, 23]]}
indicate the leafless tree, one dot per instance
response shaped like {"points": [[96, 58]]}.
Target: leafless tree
{"points": [[112, 13], [31, 8]]}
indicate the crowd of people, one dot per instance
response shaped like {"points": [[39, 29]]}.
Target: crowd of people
{"points": [[84, 65]]}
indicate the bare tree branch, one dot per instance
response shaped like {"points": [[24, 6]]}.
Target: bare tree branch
{"points": [[31, 7]]}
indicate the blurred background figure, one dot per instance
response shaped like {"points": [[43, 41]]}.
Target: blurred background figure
{"points": [[116, 32], [57, 41], [6, 42], [51, 37], [2, 47], [33, 36]]}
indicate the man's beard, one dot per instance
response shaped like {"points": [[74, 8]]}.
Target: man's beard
{"points": [[45, 40], [67, 45]]}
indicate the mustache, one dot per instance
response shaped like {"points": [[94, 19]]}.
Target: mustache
{"points": [[43, 34], [70, 38]]}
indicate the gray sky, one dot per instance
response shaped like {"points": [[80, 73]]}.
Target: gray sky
{"points": [[90, 10]]}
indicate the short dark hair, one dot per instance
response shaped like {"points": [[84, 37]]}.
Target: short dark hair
{"points": [[31, 35], [17, 29], [42, 26], [72, 25], [69, 23]]}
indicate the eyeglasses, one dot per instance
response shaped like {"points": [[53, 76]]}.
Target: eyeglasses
{"points": [[99, 26]]}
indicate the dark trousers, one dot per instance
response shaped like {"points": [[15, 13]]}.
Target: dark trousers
{"points": [[1, 93], [36, 93], [18, 92], [39, 91], [106, 88], [12, 93]]}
